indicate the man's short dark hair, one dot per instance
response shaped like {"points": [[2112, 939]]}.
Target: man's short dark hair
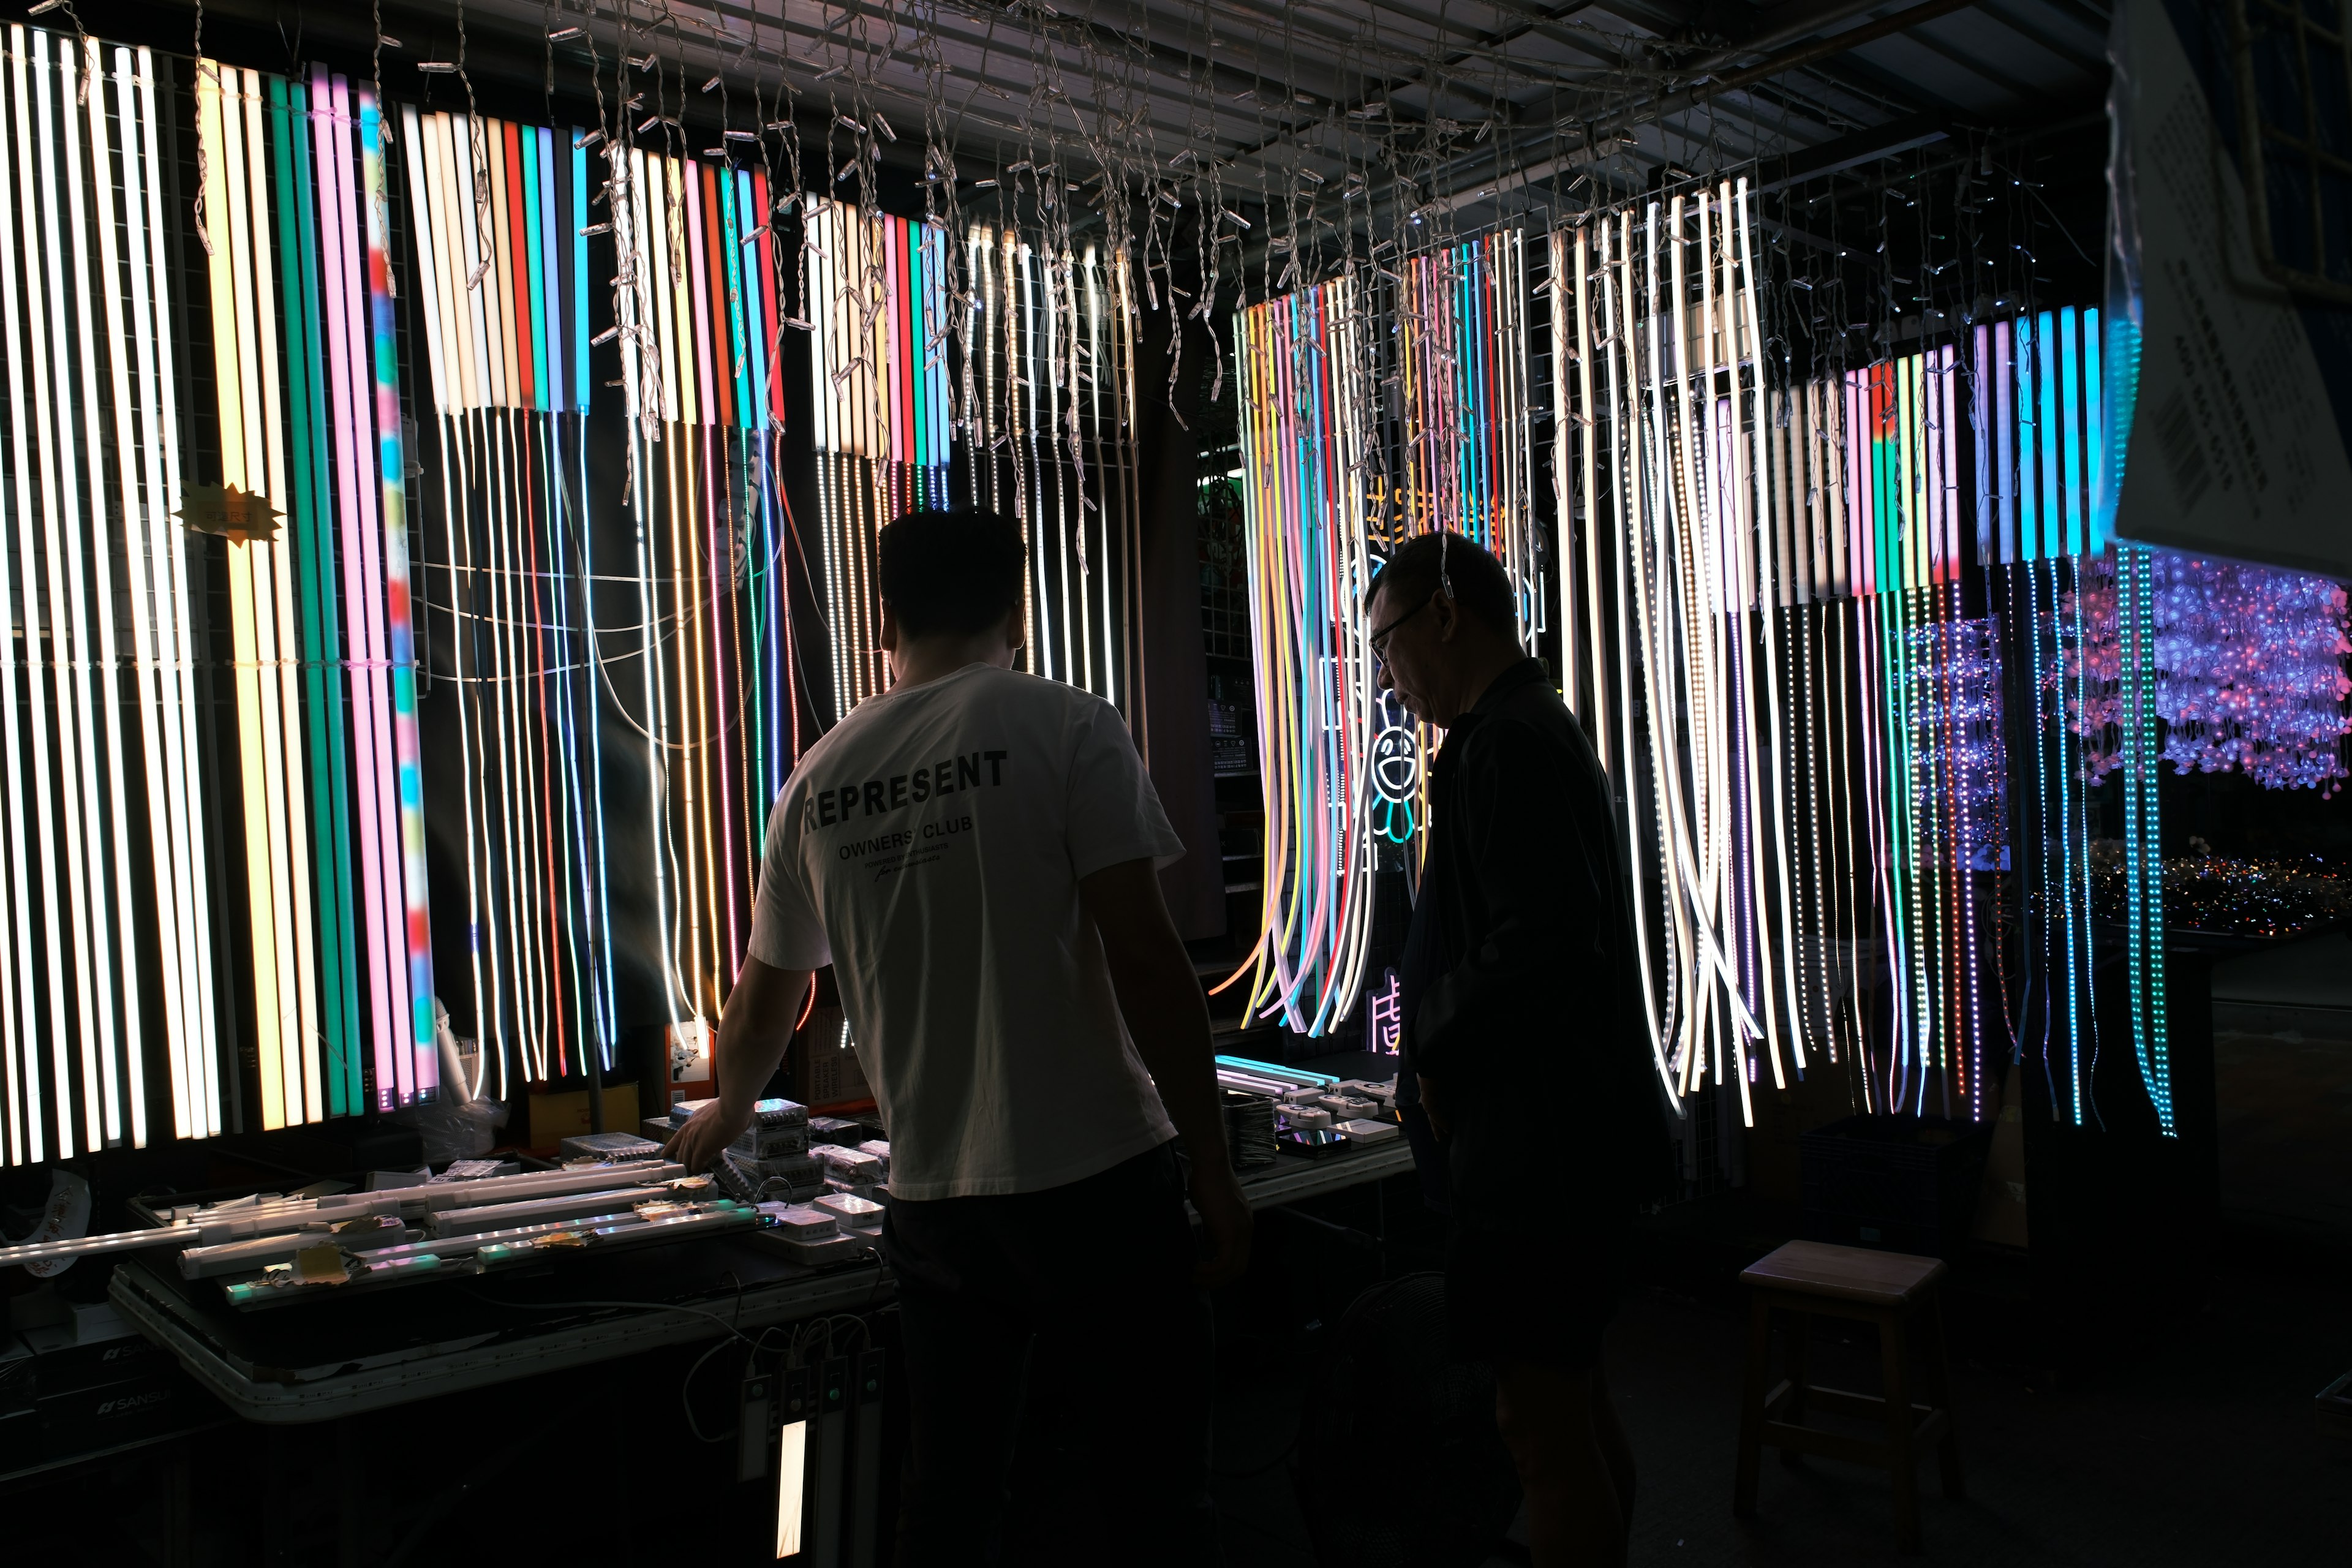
{"points": [[1424, 562], [955, 571]]}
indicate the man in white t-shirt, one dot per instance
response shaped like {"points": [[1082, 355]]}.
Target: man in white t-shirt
{"points": [[975, 853]]}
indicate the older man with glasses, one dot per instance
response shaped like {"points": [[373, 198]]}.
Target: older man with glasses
{"points": [[1539, 1124]]}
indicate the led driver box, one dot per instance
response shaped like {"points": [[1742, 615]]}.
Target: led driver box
{"points": [[609, 1146], [772, 1142]]}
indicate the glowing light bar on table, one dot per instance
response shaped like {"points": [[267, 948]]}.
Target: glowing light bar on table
{"points": [[84, 304]]}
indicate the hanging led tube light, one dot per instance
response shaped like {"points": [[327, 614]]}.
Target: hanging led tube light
{"points": [[1466, 434], [324, 678], [97, 900], [1049, 362]]}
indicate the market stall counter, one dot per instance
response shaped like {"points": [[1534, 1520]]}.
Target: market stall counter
{"points": [[339, 1354]]}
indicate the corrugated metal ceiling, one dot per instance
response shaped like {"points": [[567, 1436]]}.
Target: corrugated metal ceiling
{"points": [[1470, 104]]}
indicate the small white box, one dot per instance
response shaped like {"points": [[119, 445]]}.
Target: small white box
{"points": [[852, 1211], [848, 1164], [820, 1249], [1371, 1131], [801, 1222]]}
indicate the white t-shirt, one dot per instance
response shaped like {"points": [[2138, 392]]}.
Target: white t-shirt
{"points": [[929, 847]]}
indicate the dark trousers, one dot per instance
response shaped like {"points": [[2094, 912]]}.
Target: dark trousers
{"points": [[1075, 1301]]}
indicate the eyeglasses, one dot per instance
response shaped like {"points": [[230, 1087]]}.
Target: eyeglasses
{"points": [[1380, 639]]}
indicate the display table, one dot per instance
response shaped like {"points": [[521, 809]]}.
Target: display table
{"points": [[316, 1361]]}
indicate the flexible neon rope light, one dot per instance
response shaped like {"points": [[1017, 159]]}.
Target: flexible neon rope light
{"points": [[1304, 387], [508, 344]]}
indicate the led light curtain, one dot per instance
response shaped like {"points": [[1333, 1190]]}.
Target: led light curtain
{"points": [[698, 320], [1306, 397], [495, 210], [2249, 671], [305, 375], [101, 757], [1461, 361], [876, 288], [1049, 381]]}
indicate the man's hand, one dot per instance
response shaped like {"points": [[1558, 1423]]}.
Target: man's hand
{"points": [[697, 1144], [1226, 1215], [753, 1030], [1431, 1106]]}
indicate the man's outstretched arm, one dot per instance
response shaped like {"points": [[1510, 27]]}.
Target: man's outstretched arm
{"points": [[1167, 1017], [754, 1027]]}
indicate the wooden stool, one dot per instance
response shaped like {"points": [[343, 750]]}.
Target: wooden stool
{"points": [[1891, 1290]]}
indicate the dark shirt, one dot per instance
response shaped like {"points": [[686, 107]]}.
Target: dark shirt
{"points": [[1520, 991]]}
